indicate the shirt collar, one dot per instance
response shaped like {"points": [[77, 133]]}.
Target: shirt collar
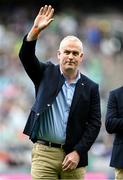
{"points": [[75, 80]]}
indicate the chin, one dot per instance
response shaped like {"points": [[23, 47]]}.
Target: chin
{"points": [[69, 69]]}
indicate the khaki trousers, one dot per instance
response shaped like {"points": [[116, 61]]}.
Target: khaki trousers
{"points": [[47, 164], [118, 174]]}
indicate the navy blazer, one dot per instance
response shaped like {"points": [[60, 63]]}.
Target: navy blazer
{"points": [[114, 125], [84, 119]]}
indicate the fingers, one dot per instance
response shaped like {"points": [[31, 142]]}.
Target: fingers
{"points": [[68, 164], [50, 15], [47, 11], [65, 163], [41, 11], [71, 161]]}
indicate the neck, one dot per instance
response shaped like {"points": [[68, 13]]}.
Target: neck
{"points": [[70, 76]]}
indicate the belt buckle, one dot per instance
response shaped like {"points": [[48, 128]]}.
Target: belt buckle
{"points": [[61, 146]]}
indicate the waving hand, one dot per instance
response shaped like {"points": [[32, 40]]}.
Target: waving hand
{"points": [[42, 20], [44, 17]]}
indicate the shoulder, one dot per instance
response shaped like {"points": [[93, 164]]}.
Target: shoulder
{"points": [[88, 81], [116, 94], [49, 64], [117, 90], [51, 69]]}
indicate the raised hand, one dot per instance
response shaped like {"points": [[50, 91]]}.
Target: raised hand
{"points": [[42, 20], [44, 17]]}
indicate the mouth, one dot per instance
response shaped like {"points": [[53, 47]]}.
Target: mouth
{"points": [[70, 63]]}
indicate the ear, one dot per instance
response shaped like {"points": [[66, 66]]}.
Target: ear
{"points": [[81, 56], [58, 54]]}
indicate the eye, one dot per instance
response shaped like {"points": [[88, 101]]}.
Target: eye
{"points": [[67, 52], [75, 53]]}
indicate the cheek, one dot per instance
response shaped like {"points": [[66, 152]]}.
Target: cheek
{"points": [[63, 60], [79, 61]]}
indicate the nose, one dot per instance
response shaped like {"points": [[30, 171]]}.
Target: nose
{"points": [[70, 56]]}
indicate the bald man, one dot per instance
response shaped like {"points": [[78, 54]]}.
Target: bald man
{"points": [[65, 119]]}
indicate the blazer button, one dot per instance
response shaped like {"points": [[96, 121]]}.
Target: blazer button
{"points": [[38, 114], [48, 105]]}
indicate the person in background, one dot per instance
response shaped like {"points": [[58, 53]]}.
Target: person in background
{"points": [[114, 125], [65, 119]]}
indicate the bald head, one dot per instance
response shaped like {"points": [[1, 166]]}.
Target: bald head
{"points": [[72, 39]]}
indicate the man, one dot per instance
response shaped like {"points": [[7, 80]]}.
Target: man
{"points": [[65, 118], [114, 125]]}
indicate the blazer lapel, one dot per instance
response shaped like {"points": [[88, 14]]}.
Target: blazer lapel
{"points": [[61, 80], [79, 92]]}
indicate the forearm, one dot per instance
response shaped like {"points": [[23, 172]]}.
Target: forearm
{"points": [[114, 125], [29, 60], [27, 50], [114, 115], [88, 138], [93, 124]]}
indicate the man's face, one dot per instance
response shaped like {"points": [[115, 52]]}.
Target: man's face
{"points": [[70, 56]]}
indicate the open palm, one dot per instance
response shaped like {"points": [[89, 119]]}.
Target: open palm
{"points": [[44, 17]]}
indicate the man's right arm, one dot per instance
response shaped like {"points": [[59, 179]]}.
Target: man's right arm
{"points": [[29, 60], [27, 55]]}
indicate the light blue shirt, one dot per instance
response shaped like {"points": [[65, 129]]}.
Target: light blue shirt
{"points": [[53, 121]]}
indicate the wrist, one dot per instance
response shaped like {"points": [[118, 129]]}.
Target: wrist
{"points": [[35, 30], [33, 34]]}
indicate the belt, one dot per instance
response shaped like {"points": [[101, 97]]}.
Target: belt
{"points": [[50, 144]]}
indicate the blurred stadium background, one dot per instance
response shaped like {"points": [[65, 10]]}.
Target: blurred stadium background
{"points": [[99, 24]]}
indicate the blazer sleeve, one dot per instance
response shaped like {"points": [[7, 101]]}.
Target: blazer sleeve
{"points": [[31, 64], [93, 124], [114, 121]]}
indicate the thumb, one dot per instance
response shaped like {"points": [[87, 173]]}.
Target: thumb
{"points": [[50, 20]]}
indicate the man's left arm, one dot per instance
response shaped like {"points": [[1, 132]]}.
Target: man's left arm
{"points": [[90, 134], [93, 124]]}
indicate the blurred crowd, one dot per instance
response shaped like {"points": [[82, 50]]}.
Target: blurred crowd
{"points": [[102, 37]]}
